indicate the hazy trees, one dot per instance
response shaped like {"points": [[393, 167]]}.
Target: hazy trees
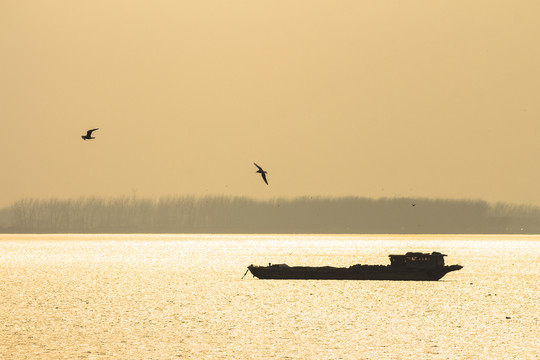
{"points": [[221, 214]]}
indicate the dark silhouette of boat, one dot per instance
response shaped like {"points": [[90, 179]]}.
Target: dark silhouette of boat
{"points": [[411, 266]]}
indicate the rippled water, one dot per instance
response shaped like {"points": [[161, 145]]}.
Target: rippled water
{"points": [[183, 296]]}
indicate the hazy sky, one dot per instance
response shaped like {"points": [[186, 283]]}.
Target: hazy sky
{"points": [[365, 98]]}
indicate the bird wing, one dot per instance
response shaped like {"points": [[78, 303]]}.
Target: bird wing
{"points": [[89, 132], [260, 168], [264, 177]]}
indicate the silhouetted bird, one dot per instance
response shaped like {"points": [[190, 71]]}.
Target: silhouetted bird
{"points": [[413, 204], [262, 172], [88, 135]]}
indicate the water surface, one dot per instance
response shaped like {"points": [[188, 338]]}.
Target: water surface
{"points": [[183, 296]]}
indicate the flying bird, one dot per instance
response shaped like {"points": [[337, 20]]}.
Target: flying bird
{"points": [[88, 135], [262, 172]]}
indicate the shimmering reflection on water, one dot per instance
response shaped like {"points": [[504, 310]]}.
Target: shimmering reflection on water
{"points": [[166, 297]]}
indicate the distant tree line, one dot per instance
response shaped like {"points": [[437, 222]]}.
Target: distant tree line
{"points": [[220, 214]]}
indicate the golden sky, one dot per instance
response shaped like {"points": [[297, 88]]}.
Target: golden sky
{"points": [[333, 98]]}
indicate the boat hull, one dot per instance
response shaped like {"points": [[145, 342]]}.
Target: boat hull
{"points": [[356, 272]]}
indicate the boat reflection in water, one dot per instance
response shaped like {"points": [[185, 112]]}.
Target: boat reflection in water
{"points": [[411, 266]]}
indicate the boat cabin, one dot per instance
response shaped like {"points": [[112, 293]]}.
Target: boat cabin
{"points": [[418, 260]]}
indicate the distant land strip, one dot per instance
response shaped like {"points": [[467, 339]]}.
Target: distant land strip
{"points": [[304, 215]]}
